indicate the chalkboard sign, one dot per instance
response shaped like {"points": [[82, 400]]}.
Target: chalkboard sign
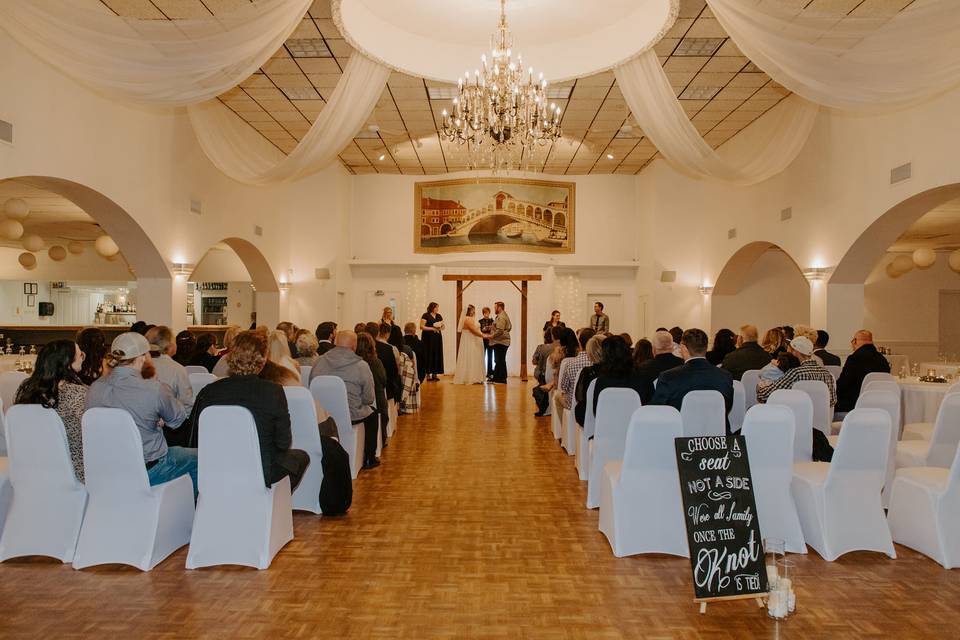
{"points": [[726, 551]]}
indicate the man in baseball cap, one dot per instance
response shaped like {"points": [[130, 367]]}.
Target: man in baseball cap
{"points": [[150, 404], [809, 369]]}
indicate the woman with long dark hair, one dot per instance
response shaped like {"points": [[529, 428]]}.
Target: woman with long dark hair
{"points": [[616, 370], [93, 343], [431, 324], [55, 385], [367, 350], [723, 343], [642, 351]]}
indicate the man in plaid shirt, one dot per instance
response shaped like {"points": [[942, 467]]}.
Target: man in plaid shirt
{"points": [[568, 383], [809, 369]]}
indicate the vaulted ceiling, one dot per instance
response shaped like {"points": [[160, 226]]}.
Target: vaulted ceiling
{"points": [[719, 88]]}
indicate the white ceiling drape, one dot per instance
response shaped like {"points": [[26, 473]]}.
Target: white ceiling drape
{"points": [[654, 104], [857, 63], [152, 62], [244, 156]]}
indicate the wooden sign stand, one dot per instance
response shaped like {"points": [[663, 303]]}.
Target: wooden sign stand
{"points": [[512, 279], [757, 596]]}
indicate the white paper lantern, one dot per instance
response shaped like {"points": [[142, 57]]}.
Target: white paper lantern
{"points": [[954, 260], [57, 253], [902, 264], [892, 271], [74, 247], [16, 208], [32, 242], [10, 229], [28, 261], [106, 247], [924, 257]]}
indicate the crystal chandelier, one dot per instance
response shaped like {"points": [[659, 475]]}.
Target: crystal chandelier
{"points": [[500, 114]]}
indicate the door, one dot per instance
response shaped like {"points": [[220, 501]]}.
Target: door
{"points": [[950, 323], [612, 306]]}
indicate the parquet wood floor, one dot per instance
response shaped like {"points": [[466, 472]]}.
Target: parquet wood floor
{"points": [[474, 527]]}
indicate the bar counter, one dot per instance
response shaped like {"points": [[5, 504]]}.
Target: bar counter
{"points": [[26, 335]]}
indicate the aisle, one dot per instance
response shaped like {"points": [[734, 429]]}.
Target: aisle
{"points": [[474, 526]]}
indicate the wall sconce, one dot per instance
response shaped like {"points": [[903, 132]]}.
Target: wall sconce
{"points": [[183, 268], [705, 289], [284, 286], [816, 273]]}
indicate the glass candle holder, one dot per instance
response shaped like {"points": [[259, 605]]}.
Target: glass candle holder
{"points": [[773, 549]]}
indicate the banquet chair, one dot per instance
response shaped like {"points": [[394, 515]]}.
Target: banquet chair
{"points": [[940, 449], [305, 375], [615, 406], [925, 511], [556, 417], [739, 408], [820, 397], [331, 393], [127, 521], [924, 430], [6, 489], [547, 379], [199, 380], [193, 368], [839, 502], [48, 502], [834, 369], [306, 437], [393, 412], [878, 385], [568, 435], [876, 375], [769, 432], [3, 429], [238, 519], [640, 506], [9, 383], [584, 434], [750, 379], [703, 414], [802, 408]]}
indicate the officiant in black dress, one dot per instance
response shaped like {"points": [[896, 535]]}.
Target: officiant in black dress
{"points": [[431, 324]]}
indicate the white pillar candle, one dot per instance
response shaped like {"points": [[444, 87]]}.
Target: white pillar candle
{"points": [[773, 603], [791, 601], [772, 576]]}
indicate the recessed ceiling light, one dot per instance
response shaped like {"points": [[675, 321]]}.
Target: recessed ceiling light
{"points": [[308, 48], [698, 46], [699, 93], [609, 156], [382, 156]]}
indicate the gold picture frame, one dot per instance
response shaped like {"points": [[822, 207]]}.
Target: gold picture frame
{"points": [[494, 214]]}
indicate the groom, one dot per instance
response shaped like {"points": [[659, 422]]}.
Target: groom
{"points": [[500, 341]]}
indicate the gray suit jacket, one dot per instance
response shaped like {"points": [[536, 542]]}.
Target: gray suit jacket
{"points": [[600, 324]]}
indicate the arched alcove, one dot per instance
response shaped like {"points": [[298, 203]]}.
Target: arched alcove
{"points": [[762, 285], [238, 276]]}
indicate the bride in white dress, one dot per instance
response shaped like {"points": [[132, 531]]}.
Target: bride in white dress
{"points": [[470, 365]]}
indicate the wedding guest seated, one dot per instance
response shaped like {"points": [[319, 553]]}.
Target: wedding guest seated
{"points": [[642, 351], [140, 326], [325, 333], [221, 369], [820, 349], [748, 355], [628, 339], [568, 381], [395, 340], [662, 360], [367, 349], [810, 334], [93, 343], [540, 355], [266, 402], [774, 342], [778, 367], [186, 345], [694, 375], [55, 385], [809, 369], [278, 352], [206, 353], [788, 333], [565, 346], [587, 375], [130, 386], [307, 345], [169, 371], [677, 334], [343, 362], [724, 342], [390, 358], [360, 327], [411, 340], [289, 331], [615, 369], [864, 359]]}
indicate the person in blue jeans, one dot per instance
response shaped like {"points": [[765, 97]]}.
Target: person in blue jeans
{"points": [[132, 386]]}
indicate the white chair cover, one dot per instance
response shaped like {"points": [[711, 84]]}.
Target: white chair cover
{"points": [[769, 431], [556, 417], [925, 511], [568, 436], [924, 430], [6, 489], [834, 370], [238, 519], [127, 521], [839, 502], [875, 376], [331, 393], [615, 406], [48, 502], [194, 368], [890, 403], [3, 431], [305, 375], [820, 397], [739, 408], [393, 412], [199, 380], [750, 379], [10, 381], [582, 459], [703, 414], [641, 510], [801, 406], [306, 436], [942, 446]]}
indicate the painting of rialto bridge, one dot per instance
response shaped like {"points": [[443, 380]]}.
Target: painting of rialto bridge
{"points": [[494, 214]]}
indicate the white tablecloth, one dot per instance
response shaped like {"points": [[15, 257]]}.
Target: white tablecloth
{"points": [[941, 368], [9, 362], [921, 400], [897, 361]]}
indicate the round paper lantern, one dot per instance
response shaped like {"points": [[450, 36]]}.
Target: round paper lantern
{"points": [[892, 272], [902, 264], [924, 257], [32, 242], [16, 208], [106, 247], [27, 260], [57, 253], [10, 229], [74, 247], [954, 260]]}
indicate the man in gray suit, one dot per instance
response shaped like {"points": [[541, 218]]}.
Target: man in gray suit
{"points": [[599, 321], [500, 341]]}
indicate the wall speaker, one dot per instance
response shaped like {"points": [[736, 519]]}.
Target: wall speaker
{"points": [[668, 276]]}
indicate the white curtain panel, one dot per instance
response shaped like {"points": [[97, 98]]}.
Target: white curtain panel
{"points": [[858, 63], [241, 153], [654, 104], [152, 62]]}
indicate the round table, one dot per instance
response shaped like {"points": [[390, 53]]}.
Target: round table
{"points": [[939, 368], [921, 400]]}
